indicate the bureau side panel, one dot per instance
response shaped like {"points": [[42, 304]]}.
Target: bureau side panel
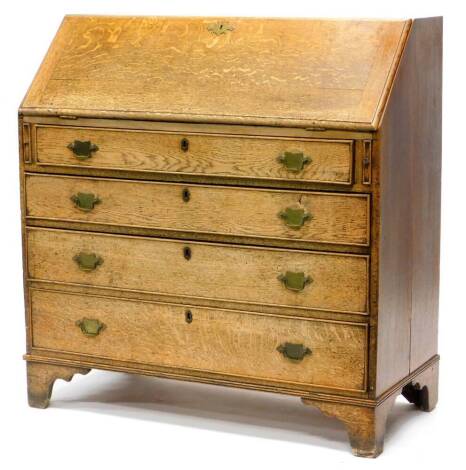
{"points": [[408, 145], [426, 150]]}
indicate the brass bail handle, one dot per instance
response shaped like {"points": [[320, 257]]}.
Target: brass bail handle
{"points": [[293, 351], [85, 201], [294, 161], [294, 218], [88, 261], [82, 149], [90, 326], [295, 281]]}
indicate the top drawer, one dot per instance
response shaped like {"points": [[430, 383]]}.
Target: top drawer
{"points": [[321, 161]]}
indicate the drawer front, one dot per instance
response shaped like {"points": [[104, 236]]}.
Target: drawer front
{"points": [[287, 215], [213, 340], [308, 280], [325, 161]]}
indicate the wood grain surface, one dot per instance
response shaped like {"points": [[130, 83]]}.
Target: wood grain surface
{"points": [[264, 71], [228, 342], [426, 153], [409, 145], [228, 272], [207, 154], [333, 218]]}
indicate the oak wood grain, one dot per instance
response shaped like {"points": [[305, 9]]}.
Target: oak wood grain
{"points": [[409, 146], [426, 152], [222, 272], [333, 218], [174, 127], [331, 72], [229, 342], [216, 155], [279, 133], [198, 301]]}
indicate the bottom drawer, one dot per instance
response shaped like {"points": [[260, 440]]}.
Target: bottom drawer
{"points": [[274, 348]]}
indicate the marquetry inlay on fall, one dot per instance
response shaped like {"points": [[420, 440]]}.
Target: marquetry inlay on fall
{"points": [[244, 202]]}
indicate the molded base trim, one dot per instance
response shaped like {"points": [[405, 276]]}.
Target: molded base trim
{"points": [[182, 375]]}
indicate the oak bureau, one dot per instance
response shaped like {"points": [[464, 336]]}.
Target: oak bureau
{"points": [[245, 202]]}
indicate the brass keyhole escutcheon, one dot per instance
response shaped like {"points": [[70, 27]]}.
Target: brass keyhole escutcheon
{"points": [[188, 316], [186, 195], [184, 144], [219, 28], [187, 253]]}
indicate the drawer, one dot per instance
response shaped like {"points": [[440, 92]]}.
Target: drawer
{"points": [[287, 215], [321, 161], [247, 345], [235, 273]]}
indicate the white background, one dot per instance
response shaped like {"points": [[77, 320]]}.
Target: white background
{"points": [[107, 420]]}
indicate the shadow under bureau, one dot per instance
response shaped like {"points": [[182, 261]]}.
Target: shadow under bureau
{"points": [[244, 202]]}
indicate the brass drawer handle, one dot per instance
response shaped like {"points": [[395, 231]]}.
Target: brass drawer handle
{"points": [[88, 261], [85, 201], [294, 218], [294, 161], [82, 149], [294, 352], [295, 281], [90, 327]]}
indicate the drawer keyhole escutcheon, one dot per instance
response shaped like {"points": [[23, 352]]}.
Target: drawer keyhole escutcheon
{"points": [[219, 28], [85, 201], [90, 327], [88, 261], [294, 218], [188, 316], [186, 195], [187, 253], [294, 352], [295, 281], [82, 149], [294, 161], [184, 144]]}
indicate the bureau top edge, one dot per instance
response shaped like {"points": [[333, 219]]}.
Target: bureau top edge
{"points": [[126, 123], [212, 120]]}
